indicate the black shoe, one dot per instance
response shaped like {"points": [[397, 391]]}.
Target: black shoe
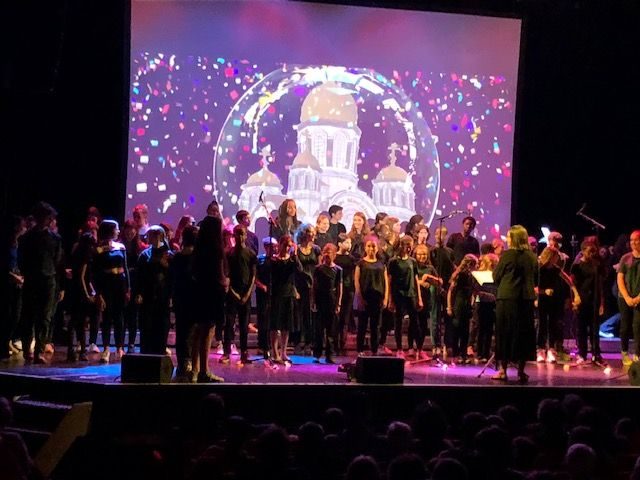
{"points": [[209, 377], [72, 356], [83, 356], [39, 359], [330, 361]]}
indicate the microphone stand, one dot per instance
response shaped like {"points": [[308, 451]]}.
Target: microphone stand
{"points": [[268, 358], [597, 226]]}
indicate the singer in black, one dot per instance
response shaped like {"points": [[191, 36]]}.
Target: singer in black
{"points": [[515, 276], [464, 243]]}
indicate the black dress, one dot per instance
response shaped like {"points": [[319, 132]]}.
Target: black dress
{"points": [[515, 277]]}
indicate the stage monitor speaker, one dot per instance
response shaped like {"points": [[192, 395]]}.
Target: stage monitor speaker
{"points": [[634, 374], [142, 368], [379, 370]]}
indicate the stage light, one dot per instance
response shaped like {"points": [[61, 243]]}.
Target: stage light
{"points": [[566, 367], [444, 367], [607, 371]]}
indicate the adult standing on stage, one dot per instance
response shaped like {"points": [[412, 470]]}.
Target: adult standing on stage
{"points": [[211, 286], [515, 277], [464, 242], [244, 218]]}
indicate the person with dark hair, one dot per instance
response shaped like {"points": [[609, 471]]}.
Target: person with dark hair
{"points": [[406, 298], [134, 246], [410, 227], [460, 308], [263, 294], [346, 321], [588, 276], [284, 268], [363, 467], [40, 262], [111, 278], [309, 257], [184, 222], [242, 262], [153, 291], [244, 218], [287, 222], [336, 227], [628, 280], [9, 327], [183, 293], [81, 297], [406, 467], [515, 276], [327, 298], [14, 456], [464, 242], [211, 283], [443, 261]]}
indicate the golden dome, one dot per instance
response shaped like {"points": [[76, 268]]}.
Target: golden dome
{"points": [[329, 101], [392, 173], [263, 178], [306, 159]]}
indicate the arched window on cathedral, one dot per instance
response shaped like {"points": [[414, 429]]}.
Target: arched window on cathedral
{"points": [[319, 146], [340, 159]]}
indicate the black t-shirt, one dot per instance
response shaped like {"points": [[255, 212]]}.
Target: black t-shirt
{"points": [[424, 291], [630, 268], [323, 238], [242, 263], [403, 276], [588, 278], [263, 269], [283, 275], [462, 245], [183, 282], [327, 280], [442, 260], [308, 262], [348, 264], [336, 229], [371, 277], [252, 242]]}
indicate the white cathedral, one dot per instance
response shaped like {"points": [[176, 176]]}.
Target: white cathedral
{"points": [[325, 170]]}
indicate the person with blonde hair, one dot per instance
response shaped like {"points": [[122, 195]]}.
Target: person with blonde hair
{"points": [[515, 278], [459, 308]]}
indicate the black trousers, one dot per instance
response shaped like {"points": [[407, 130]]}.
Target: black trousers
{"points": [[326, 326], [418, 329], [457, 331], [629, 325], [184, 311], [588, 327], [154, 326], [486, 312], [263, 306], [80, 310], [241, 311], [345, 318], [39, 300], [550, 324], [404, 306], [113, 292], [305, 318], [369, 317]]}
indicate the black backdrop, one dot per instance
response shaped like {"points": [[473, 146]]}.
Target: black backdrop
{"points": [[575, 139]]}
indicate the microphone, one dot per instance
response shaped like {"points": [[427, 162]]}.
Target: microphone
{"points": [[581, 209]]}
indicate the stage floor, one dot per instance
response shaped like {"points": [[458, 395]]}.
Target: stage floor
{"points": [[304, 372]]}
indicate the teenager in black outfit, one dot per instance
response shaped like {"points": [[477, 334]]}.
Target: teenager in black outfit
{"points": [[460, 307], [111, 279], [242, 263], [515, 275], [322, 231], [372, 290], [347, 263], [134, 246], [628, 279], [335, 227], [263, 294], [153, 291], [406, 298], [183, 293], [40, 262], [284, 268], [244, 218], [464, 243], [308, 255], [428, 280], [327, 297], [287, 222], [588, 277]]}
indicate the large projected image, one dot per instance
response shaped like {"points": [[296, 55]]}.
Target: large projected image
{"points": [[254, 102]]}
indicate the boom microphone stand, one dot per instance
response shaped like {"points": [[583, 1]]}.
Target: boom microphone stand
{"points": [[262, 203]]}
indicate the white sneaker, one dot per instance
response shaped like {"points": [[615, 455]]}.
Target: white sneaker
{"points": [[104, 356], [551, 356], [18, 345], [93, 348], [234, 349], [540, 357], [167, 351], [579, 360]]}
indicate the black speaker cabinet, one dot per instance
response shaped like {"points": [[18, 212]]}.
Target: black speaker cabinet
{"points": [[379, 370], [141, 368]]}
